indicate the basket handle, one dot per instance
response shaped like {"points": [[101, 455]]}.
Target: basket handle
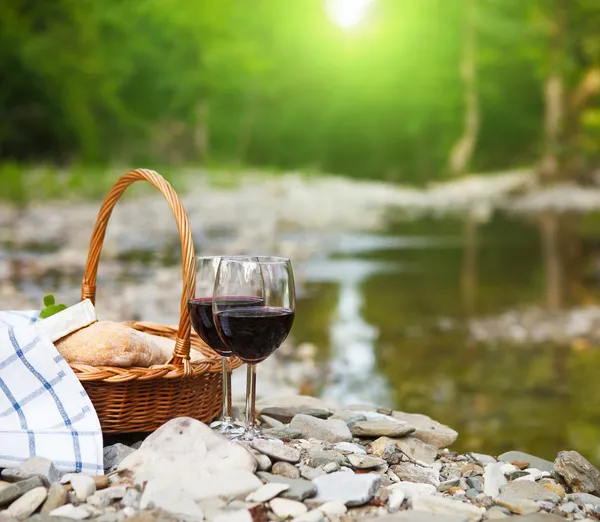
{"points": [[181, 352]]}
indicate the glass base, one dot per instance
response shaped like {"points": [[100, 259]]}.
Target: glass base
{"points": [[227, 427]]}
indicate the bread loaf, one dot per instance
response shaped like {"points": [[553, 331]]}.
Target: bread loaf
{"points": [[106, 343]]}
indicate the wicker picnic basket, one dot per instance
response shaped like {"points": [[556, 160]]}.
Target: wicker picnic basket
{"points": [[142, 399]]}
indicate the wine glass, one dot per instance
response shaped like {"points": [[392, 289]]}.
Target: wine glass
{"points": [[201, 316], [253, 332]]}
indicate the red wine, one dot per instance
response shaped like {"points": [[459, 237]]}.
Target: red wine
{"points": [[201, 316], [254, 333]]}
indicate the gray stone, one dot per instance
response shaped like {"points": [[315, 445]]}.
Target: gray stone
{"points": [[267, 492], [518, 505], [418, 516], [483, 459], [416, 449], [314, 515], [276, 451], [529, 490], [291, 402], [381, 428], [494, 479], [569, 507], [349, 417], [83, 486], [310, 473], [326, 430], [534, 462], [41, 467], [270, 422], [539, 517], [72, 512], [14, 491], [513, 475], [349, 447], [285, 469], [104, 497], [57, 496], [476, 483], [471, 493], [263, 462], [580, 499], [331, 467], [285, 415], [333, 509], [284, 432], [114, 455], [578, 472], [428, 430], [286, 508], [365, 461], [386, 449], [26, 505], [351, 489], [299, 489], [172, 498], [448, 484], [445, 506], [496, 513], [132, 498], [410, 472], [320, 457]]}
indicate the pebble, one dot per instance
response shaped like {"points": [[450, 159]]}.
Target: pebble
{"points": [[40, 466], [277, 451], [310, 473], [416, 449], [518, 505], [349, 447], [427, 429], [284, 432], [101, 481], [385, 448], [534, 462], [365, 462], [448, 484], [170, 497], [83, 486], [321, 457], [471, 493], [530, 491], [115, 454], [349, 417], [352, 490], [104, 497], [496, 513], [285, 469], [286, 508], [57, 496], [285, 415], [263, 463], [580, 498], [131, 498], [395, 499], [71, 511], [493, 479], [267, 492], [475, 483], [270, 422], [299, 489], [414, 473], [333, 509], [446, 506], [578, 472], [314, 515], [569, 507], [26, 505], [381, 428], [483, 459], [330, 430], [14, 491], [554, 487], [331, 467]]}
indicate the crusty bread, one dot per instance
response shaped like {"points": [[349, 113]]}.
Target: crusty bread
{"points": [[107, 343]]}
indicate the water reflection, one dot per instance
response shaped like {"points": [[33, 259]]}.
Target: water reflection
{"points": [[390, 329]]}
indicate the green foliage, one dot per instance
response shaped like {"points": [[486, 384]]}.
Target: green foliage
{"points": [[277, 84], [50, 307]]}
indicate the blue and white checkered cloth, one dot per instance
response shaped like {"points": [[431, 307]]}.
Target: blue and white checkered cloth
{"points": [[44, 410]]}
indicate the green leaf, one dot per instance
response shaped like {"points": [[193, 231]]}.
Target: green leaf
{"points": [[49, 300], [51, 310]]}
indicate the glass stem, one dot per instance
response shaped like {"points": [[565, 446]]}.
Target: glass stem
{"points": [[250, 397], [226, 415]]}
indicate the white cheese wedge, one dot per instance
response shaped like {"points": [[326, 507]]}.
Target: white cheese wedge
{"points": [[68, 321]]}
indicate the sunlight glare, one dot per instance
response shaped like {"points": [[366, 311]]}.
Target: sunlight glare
{"points": [[347, 13]]}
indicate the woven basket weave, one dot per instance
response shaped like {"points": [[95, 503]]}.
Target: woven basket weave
{"points": [[142, 399]]}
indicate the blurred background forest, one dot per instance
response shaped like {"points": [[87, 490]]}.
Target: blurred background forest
{"points": [[301, 83], [432, 167]]}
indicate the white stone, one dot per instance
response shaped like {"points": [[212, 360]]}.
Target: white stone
{"points": [[83, 485], [71, 511], [428, 430], [333, 509], [26, 505], [277, 450], [446, 506], [365, 461], [267, 492], [395, 499], [239, 515], [349, 447], [352, 490], [103, 497], [41, 465], [330, 430], [171, 498], [314, 515], [493, 479], [286, 508], [508, 468], [413, 489], [185, 451]]}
